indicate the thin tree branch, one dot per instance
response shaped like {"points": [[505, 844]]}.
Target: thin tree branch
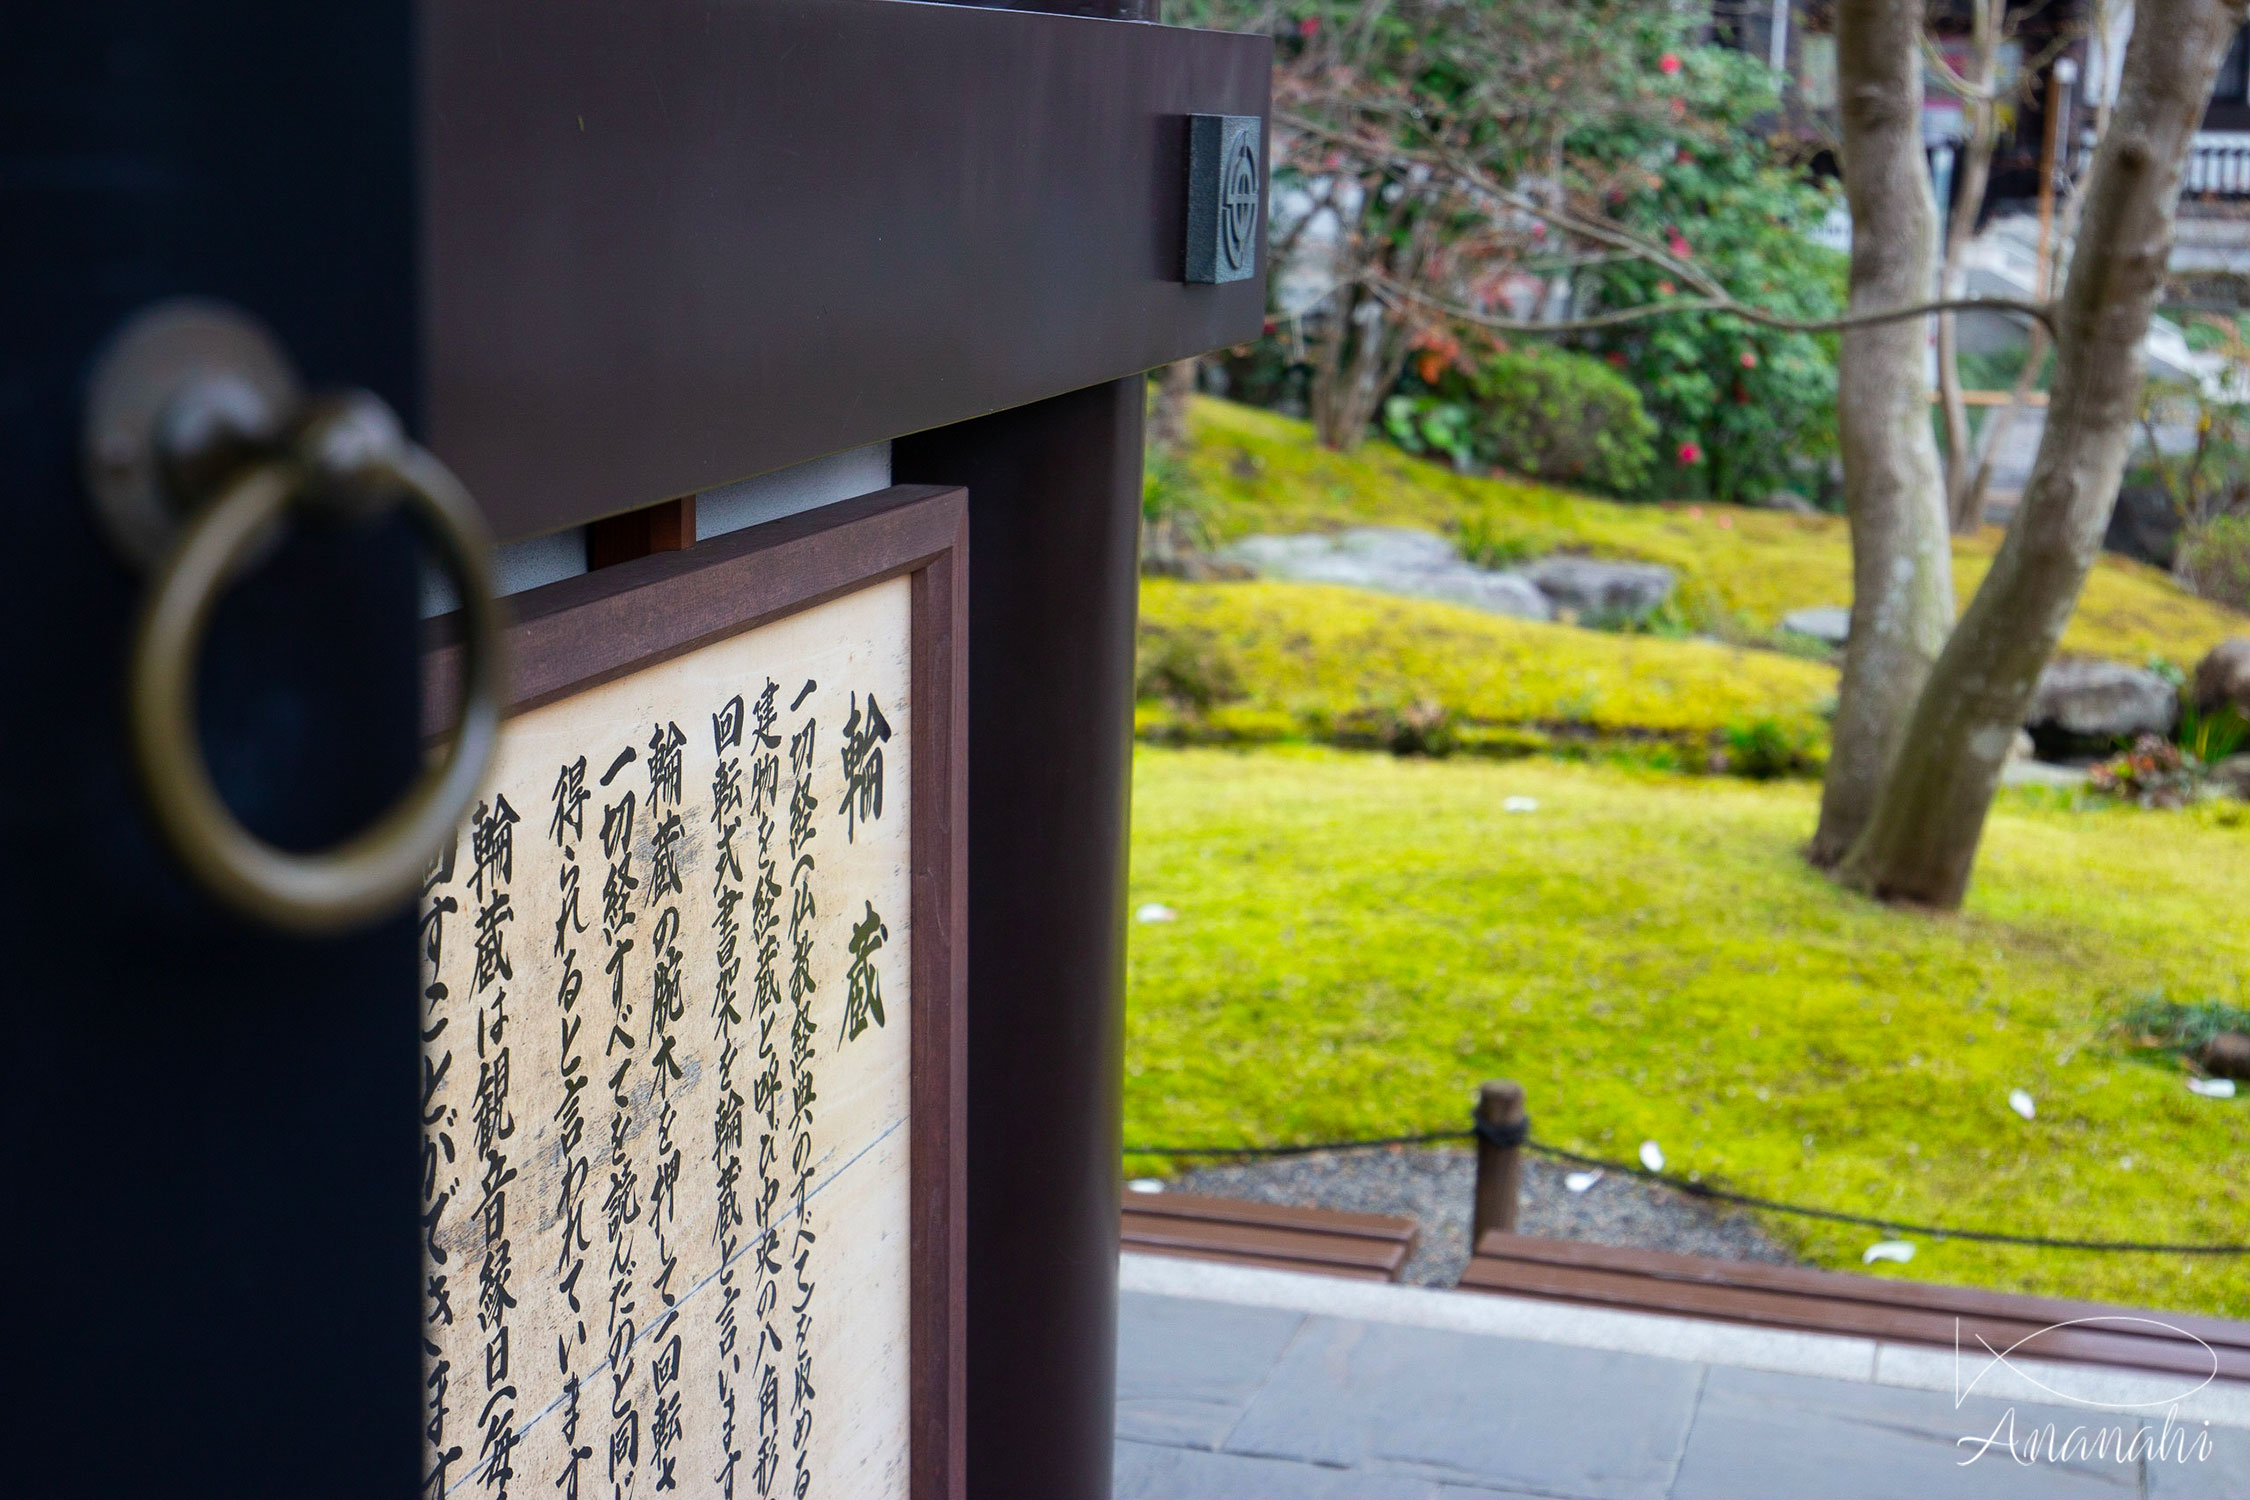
{"points": [[1612, 235], [1715, 296], [1721, 304], [1947, 78]]}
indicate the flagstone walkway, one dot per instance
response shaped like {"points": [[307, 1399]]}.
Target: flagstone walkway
{"points": [[1244, 1384]]}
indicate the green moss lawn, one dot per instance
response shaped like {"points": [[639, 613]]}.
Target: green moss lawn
{"points": [[1362, 938]]}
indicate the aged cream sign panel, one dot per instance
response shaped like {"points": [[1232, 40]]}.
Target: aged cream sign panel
{"points": [[665, 1078]]}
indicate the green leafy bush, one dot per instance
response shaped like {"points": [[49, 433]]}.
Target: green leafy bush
{"points": [[1423, 424], [2211, 737], [1546, 413], [2153, 773], [2215, 560], [1765, 748], [1191, 668], [2156, 1023], [1564, 418]]}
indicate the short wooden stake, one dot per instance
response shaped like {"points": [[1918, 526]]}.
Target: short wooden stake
{"points": [[1502, 1128]]}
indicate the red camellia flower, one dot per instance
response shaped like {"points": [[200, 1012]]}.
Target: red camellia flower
{"points": [[1690, 453], [1668, 64], [1749, 359], [1665, 289], [1679, 248], [1309, 26]]}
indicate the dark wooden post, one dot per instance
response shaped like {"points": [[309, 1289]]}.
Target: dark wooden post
{"points": [[225, 1132], [1054, 516], [1502, 1128]]}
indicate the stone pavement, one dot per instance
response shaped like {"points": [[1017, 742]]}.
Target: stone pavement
{"points": [[1243, 1384]]}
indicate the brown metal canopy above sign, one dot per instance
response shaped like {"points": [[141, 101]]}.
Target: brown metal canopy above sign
{"points": [[972, 209]]}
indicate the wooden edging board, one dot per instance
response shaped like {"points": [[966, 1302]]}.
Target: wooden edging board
{"points": [[1362, 1246], [1802, 1297]]}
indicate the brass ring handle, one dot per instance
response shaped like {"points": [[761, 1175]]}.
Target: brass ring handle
{"points": [[383, 865]]}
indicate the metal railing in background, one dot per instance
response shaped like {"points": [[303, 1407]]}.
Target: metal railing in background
{"points": [[2218, 170]]}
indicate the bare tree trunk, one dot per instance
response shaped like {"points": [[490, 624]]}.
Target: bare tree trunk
{"points": [[1360, 362], [1922, 840], [1971, 171], [1167, 414], [1960, 459], [1329, 348], [1902, 558], [2002, 421], [1998, 425]]}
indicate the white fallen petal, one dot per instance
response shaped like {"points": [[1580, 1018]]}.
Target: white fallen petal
{"points": [[1146, 1184], [1578, 1182], [1156, 911], [2020, 1102], [1652, 1156], [1901, 1251], [2213, 1088], [1520, 804]]}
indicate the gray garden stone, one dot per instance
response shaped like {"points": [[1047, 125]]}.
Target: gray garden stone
{"points": [[2223, 676], [2226, 1055], [2043, 773], [1391, 560], [1594, 589], [2086, 698], [1794, 504], [2144, 525], [2233, 774], [1827, 622]]}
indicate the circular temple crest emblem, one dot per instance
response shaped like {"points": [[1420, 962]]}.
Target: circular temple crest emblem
{"points": [[1238, 210]]}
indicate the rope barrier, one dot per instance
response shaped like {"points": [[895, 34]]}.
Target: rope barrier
{"points": [[1703, 1190], [1427, 1138]]}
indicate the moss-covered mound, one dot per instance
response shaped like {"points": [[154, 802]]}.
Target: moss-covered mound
{"points": [[1740, 570], [1248, 662]]}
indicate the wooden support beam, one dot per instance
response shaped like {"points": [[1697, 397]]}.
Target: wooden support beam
{"points": [[667, 526]]}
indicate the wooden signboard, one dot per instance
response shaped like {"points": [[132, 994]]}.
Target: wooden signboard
{"points": [[692, 1031]]}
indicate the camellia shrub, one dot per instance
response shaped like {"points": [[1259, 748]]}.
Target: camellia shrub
{"points": [[1743, 410]]}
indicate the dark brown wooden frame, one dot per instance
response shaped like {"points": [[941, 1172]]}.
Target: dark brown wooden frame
{"points": [[584, 631]]}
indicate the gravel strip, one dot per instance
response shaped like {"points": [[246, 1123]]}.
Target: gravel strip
{"points": [[1435, 1189]]}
